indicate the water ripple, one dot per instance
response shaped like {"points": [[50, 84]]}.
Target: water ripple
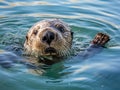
{"points": [[86, 18]]}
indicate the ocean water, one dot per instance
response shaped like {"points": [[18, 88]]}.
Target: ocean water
{"points": [[86, 18]]}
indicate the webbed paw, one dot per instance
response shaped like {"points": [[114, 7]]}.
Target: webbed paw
{"points": [[100, 39]]}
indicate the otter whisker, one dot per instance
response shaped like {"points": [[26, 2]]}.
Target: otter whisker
{"points": [[67, 50], [49, 38]]}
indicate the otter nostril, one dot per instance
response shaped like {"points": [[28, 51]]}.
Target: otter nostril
{"points": [[44, 38], [48, 37], [51, 36]]}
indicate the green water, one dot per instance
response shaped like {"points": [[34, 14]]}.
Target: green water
{"points": [[86, 18]]}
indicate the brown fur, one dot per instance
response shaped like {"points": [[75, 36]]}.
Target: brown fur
{"points": [[62, 42], [101, 39]]}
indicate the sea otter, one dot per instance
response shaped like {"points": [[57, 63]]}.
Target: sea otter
{"points": [[53, 38]]}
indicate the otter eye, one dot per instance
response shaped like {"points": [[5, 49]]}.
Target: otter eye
{"points": [[35, 32], [60, 28]]}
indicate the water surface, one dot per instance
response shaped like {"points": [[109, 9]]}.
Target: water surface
{"points": [[86, 18]]}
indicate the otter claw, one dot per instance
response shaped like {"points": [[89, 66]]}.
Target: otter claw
{"points": [[100, 39]]}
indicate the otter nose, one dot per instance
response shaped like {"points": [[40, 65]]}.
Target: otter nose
{"points": [[48, 37]]}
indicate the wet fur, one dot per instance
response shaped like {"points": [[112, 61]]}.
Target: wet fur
{"points": [[62, 43]]}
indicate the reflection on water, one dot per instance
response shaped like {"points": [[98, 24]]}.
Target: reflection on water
{"points": [[86, 18], [22, 3]]}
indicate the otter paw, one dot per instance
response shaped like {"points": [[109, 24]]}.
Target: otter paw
{"points": [[100, 39]]}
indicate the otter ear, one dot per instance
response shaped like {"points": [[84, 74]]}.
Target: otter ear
{"points": [[72, 34], [26, 37], [26, 41]]}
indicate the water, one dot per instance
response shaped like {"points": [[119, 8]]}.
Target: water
{"points": [[86, 18]]}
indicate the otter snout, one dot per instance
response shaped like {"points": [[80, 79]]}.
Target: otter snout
{"points": [[48, 37]]}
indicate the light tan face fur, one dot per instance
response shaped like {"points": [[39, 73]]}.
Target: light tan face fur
{"points": [[35, 43]]}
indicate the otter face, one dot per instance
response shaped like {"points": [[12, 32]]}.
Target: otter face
{"points": [[49, 38]]}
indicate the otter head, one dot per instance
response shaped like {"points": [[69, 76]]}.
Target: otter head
{"points": [[49, 38]]}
